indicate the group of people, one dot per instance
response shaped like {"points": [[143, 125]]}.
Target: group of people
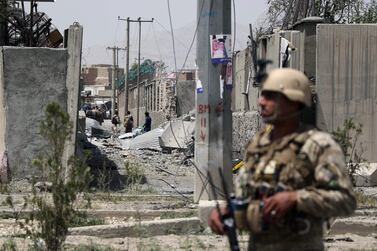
{"points": [[128, 122], [95, 113]]}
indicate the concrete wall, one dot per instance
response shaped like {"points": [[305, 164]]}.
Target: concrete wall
{"points": [[158, 116], [245, 126], [272, 50], [242, 74], [121, 104], [347, 80], [29, 79], [185, 93], [241, 69], [297, 40], [307, 27]]}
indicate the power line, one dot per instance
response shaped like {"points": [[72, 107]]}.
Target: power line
{"points": [[172, 36], [114, 77], [200, 173], [235, 26], [139, 21], [167, 31]]}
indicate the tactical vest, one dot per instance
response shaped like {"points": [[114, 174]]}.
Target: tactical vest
{"points": [[273, 167], [280, 164]]}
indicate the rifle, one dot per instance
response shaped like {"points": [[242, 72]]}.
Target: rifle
{"points": [[228, 218], [261, 73]]}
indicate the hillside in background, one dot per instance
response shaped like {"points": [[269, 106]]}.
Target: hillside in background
{"points": [[157, 45]]}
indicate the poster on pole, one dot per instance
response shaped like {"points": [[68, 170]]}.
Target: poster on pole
{"points": [[221, 51]]}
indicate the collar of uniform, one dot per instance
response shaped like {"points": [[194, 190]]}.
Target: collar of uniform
{"points": [[265, 138]]}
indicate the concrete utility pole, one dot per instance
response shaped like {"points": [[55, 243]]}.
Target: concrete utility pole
{"points": [[139, 20], [213, 134], [114, 76], [126, 71], [74, 48]]}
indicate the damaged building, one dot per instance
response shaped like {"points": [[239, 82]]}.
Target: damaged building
{"points": [[97, 83], [164, 95]]}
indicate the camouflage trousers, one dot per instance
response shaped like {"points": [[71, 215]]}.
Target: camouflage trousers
{"points": [[288, 241]]}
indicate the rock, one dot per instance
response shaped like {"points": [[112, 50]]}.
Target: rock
{"points": [[43, 186]]}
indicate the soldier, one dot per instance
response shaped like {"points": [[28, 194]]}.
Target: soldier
{"points": [[115, 121], [294, 177]]}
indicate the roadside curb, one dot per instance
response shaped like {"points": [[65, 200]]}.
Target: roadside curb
{"points": [[178, 226]]}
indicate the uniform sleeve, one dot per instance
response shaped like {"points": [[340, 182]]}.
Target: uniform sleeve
{"points": [[332, 193]]}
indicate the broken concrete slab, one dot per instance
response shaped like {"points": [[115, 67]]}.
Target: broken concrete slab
{"points": [[128, 135], [94, 129], [177, 134], [142, 228], [149, 140]]}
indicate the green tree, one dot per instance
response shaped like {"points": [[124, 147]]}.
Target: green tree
{"points": [[54, 216], [368, 13], [283, 13], [347, 137]]}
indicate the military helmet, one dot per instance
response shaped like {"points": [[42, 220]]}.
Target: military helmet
{"points": [[293, 84]]}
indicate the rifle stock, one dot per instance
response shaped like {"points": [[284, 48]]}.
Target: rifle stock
{"points": [[228, 218]]}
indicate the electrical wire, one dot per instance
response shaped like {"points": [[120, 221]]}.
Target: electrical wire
{"points": [[172, 186], [234, 26], [172, 36], [148, 33], [165, 29], [200, 173]]}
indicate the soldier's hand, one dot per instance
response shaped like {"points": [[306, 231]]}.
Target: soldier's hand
{"points": [[214, 221], [278, 205]]}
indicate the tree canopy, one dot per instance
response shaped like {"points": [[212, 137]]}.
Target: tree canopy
{"points": [[284, 13]]}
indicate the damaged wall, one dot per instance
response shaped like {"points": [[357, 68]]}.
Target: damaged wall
{"points": [[29, 79], [156, 97], [245, 126], [185, 93]]}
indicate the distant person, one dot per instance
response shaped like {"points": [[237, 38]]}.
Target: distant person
{"points": [[98, 115], [115, 121], [148, 122], [95, 114], [128, 122]]}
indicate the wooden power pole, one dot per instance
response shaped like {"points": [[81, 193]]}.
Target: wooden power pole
{"points": [[114, 76], [139, 20]]}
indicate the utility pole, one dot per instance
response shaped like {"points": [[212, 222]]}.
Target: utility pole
{"points": [[213, 134], [126, 71], [139, 20], [114, 75]]}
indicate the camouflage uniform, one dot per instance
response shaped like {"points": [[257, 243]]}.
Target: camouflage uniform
{"points": [[309, 162]]}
